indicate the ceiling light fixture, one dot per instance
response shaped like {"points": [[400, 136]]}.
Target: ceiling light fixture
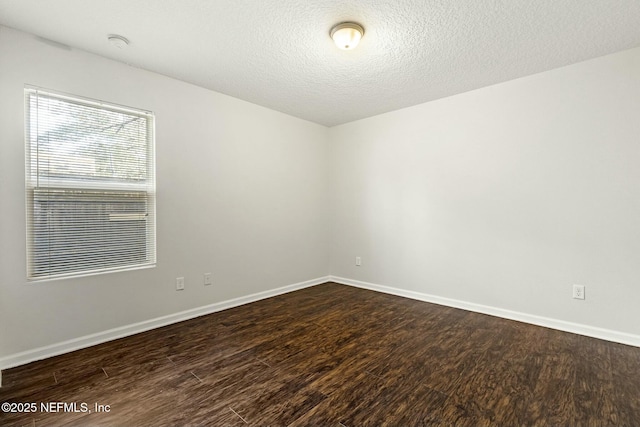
{"points": [[118, 41], [347, 35]]}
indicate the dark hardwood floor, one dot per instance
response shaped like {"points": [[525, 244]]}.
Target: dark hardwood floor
{"points": [[333, 355]]}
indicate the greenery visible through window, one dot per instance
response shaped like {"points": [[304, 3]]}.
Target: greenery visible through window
{"points": [[90, 186]]}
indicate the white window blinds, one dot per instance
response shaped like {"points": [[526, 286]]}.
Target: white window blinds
{"points": [[90, 186]]}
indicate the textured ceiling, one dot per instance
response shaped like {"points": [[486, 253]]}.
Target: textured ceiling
{"points": [[277, 53]]}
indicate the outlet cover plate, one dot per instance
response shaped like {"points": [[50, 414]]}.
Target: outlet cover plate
{"points": [[578, 291]]}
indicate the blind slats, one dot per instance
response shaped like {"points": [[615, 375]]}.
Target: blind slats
{"points": [[90, 186]]}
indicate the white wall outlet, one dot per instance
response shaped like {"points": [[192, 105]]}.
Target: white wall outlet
{"points": [[358, 261], [179, 283], [578, 291], [207, 279]]}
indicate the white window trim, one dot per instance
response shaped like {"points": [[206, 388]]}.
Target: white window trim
{"points": [[148, 187]]}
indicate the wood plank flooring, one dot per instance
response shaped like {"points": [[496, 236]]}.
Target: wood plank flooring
{"points": [[333, 355]]}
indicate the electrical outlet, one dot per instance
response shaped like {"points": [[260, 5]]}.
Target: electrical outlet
{"points": [[358, 261], [578, 291], [180, 284], [207, 279]]}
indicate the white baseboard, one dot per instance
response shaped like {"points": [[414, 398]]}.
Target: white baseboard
{"points": [[123, 331], [576, 328], [135, 328]]}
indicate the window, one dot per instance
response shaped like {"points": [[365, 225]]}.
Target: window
{"points": [[90, 185]]}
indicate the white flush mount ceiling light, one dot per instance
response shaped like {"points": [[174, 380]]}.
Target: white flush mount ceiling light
{"points": [[118, 41], [347, 35]]}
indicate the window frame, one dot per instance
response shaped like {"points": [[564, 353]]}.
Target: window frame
{"points": [[33, 183]]}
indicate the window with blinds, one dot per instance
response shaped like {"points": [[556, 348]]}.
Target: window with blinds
{"points": [[90, 184]]}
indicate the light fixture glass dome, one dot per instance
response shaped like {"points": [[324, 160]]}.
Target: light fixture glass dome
{"points": [[347, 35]]}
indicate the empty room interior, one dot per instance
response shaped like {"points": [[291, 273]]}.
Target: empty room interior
{"points": [[330, 213]]}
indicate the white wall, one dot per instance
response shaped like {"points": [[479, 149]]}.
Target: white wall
{"points": [[503, 196], [241, 193]]}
